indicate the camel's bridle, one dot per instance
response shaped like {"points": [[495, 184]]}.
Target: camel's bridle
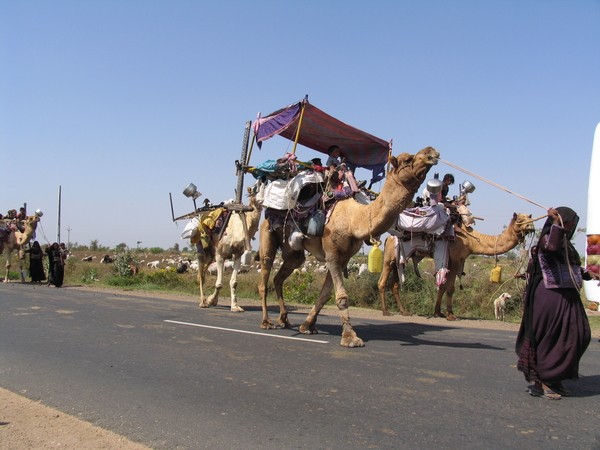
{"points": [[400, 168]]}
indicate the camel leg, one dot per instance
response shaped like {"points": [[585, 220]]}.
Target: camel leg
{"points": [[438, 302], [202, 266], [447, 289], [237, 262], [266, 264], [205, 257], [381, 285], [291, 261], [213, 299], [449, 293], [19, 265], [308, 327], [8, 255], [349, 337], [201, 278], [267, 251], [395, 289]]}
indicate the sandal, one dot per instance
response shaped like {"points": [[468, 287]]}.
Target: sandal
{"points": [[546, 393], [559, 388]]}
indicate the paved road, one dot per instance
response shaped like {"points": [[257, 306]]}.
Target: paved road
{"points": [[133, 365]]}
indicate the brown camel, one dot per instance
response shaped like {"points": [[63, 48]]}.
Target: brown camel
{"points": [[467, 242], [17, 241], [349, 225], [240, 229]]}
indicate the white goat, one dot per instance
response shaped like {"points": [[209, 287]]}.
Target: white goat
{"points": [[362, 269], [153, 264], [500, 305]]}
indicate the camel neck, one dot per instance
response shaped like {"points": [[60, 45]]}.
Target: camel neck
{"points": [[383, 212], [254, 219], [494, 245]]}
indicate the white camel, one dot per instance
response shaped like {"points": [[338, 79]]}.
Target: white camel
{"points": [[232, 244]]}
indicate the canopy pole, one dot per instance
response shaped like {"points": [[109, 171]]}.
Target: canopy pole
{"points": [[247, 162], [240, 172], [299, 126]]}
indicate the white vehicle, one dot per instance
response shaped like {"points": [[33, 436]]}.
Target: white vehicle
{"points": [[592, 251]]}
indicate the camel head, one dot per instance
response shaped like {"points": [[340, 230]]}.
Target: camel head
{"points": [[522, 225], [30, 226], [417, 166], [253, 200], [32, 220]]}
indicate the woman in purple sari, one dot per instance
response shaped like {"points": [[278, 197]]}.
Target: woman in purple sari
{"points": [[555, 331]]}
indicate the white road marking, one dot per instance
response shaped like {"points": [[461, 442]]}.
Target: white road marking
{"points": [[247, 332]]}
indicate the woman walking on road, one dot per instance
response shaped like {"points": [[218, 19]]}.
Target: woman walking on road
{"points": [[56, 270], [36, 265], [555, 331]]}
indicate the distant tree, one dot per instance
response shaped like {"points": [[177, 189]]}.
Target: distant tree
{"points": [[94, 244], [176, 247], [121, 247], [156, 250]]}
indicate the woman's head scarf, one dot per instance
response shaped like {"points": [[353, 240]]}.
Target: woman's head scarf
{"points": [[566, 214]]}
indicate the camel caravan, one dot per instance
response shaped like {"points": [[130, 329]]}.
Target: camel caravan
{"points": [[323, 210], [16, 231]]}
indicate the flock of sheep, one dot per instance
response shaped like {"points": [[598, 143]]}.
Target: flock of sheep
{"points": [[183, 265]]}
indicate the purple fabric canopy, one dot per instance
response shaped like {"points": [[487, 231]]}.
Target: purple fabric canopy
{"points": [[319, 130]]}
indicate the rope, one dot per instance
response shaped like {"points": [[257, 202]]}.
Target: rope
{"points": [[490, 182], [372, 240], [44, 233], [518, 270]]}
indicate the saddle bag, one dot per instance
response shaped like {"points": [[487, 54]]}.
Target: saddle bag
{"points": [[316, 224]]}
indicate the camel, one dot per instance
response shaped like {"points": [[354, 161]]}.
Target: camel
{"points": [[240, 228], [17, 241], [349, 225], [467, 242]]}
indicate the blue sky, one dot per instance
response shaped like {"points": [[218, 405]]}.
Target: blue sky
{"points": [[124, 102]]}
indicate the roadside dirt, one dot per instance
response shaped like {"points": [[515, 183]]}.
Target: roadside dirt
{"points": [[25, 424]]}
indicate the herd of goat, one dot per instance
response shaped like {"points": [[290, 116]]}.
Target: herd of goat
{"points": [[183, 265]]}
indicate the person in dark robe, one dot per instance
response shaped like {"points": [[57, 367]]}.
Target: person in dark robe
{"points": [[554, 331], [36, 265], [56, 269]]}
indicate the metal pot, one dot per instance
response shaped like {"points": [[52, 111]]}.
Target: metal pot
{"points": [[434, 186], [468, 187], [190, 190]]}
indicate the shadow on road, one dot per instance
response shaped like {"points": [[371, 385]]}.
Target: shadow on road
{"points": [[405, 333], [586, 386]]}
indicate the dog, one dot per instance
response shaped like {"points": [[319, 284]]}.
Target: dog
{"points": [[500, 305]]}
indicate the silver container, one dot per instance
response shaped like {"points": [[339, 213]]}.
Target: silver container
{"points": [[190, 190], [434, 186], [468, 187]]}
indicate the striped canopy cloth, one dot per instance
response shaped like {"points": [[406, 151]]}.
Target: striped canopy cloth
{"points": [[319, 131]]}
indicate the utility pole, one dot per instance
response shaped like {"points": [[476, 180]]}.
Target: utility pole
{"points": [[58, 218]]}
